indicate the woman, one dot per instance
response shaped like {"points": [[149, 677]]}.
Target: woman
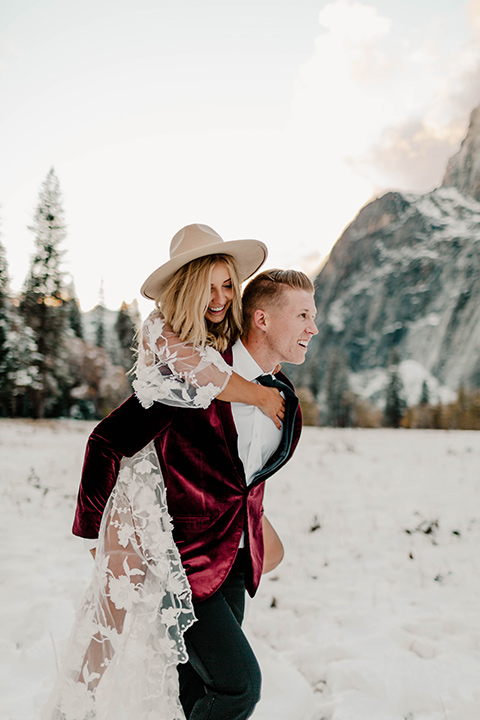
{"points": [[129, 629], [199, 297]]}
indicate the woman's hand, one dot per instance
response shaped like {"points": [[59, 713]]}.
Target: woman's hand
{"points": [[272, 404], [267, 399]]}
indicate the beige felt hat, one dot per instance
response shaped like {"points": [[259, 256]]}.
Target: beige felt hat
{"points": [[195, 241]]}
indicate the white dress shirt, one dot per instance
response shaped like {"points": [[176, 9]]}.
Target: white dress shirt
{"points": [[258, 436]]}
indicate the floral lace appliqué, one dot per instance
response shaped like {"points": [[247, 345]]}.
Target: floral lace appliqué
{"points": [[176, 373]]}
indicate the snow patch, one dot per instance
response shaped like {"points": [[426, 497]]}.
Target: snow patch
{"points": [[371, 384], [376, 614]]}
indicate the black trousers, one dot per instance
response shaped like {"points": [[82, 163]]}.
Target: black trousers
{"points": [[222, 679]]}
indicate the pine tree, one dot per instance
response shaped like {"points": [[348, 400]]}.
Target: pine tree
{"points": [[75, 317], [337, 391], [18, 351], [43, 301], [425, 394], [394, 403], [99, 326], [3, 296], [21, 368], [4, 330], [125, 327], [3, 275], [74, 314], [99, 321]]}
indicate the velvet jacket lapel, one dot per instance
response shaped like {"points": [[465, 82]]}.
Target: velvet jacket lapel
{"points": [[282, 453]]}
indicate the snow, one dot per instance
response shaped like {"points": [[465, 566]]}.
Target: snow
{"points": [[337, 315], [413, 375], [371, 384], [456, 214], [373, 614]]}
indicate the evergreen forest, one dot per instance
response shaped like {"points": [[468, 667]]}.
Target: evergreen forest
{"points": [[56, 361]]}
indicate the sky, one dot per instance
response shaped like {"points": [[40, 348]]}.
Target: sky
{"points": [[268, 120]]}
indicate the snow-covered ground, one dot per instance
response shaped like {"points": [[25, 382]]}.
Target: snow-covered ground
{"points": [[377, 603]]}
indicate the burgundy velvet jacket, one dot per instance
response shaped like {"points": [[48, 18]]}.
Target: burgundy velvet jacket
{"points": [[208, 498]]}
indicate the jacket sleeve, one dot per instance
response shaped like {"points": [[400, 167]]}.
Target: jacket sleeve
{"points": [[121, 434]]}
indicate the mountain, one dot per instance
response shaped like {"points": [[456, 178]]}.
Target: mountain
{"points": [[463, 169], [405, 276], [108, 319]]}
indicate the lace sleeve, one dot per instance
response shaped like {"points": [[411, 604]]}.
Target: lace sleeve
{"points": [[174, 372]]}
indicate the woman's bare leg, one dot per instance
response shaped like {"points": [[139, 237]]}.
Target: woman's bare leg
{"points": [[273, 547]]}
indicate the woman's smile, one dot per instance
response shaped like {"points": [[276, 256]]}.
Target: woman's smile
{"points": [[221, 293]]}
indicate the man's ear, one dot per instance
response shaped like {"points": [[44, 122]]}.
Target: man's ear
{"points": [[260, 320]]}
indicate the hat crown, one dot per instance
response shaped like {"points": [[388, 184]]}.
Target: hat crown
{"points": [[193, 237]]}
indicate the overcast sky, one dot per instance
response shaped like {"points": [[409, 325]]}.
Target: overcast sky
{"points": [[272, 120]]}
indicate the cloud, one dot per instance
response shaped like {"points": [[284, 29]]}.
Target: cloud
{"points": [[388, 106], [410, 156], [336, 95], [474, 11], [9, 52]]}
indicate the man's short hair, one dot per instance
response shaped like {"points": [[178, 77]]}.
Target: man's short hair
{"points": [[268, 288]]}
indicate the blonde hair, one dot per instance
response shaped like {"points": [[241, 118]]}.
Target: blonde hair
{"points": [[268, 288], [184, 299]]}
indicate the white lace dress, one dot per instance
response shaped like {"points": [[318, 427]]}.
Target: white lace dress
{"points": [[127, 639]]}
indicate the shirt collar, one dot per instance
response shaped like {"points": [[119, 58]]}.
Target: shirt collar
{"points": [[243, 362]]}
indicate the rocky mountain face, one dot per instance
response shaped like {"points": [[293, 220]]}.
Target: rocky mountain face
{"points": [[405, 276], [463, 169]]}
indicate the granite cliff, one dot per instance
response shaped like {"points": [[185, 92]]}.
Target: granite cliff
{"points": [[405, 276]]}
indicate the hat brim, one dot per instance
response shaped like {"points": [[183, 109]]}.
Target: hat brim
{"points": [[249, 256]]}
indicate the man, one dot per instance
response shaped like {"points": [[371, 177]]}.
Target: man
{"points": [[215, 462]]}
